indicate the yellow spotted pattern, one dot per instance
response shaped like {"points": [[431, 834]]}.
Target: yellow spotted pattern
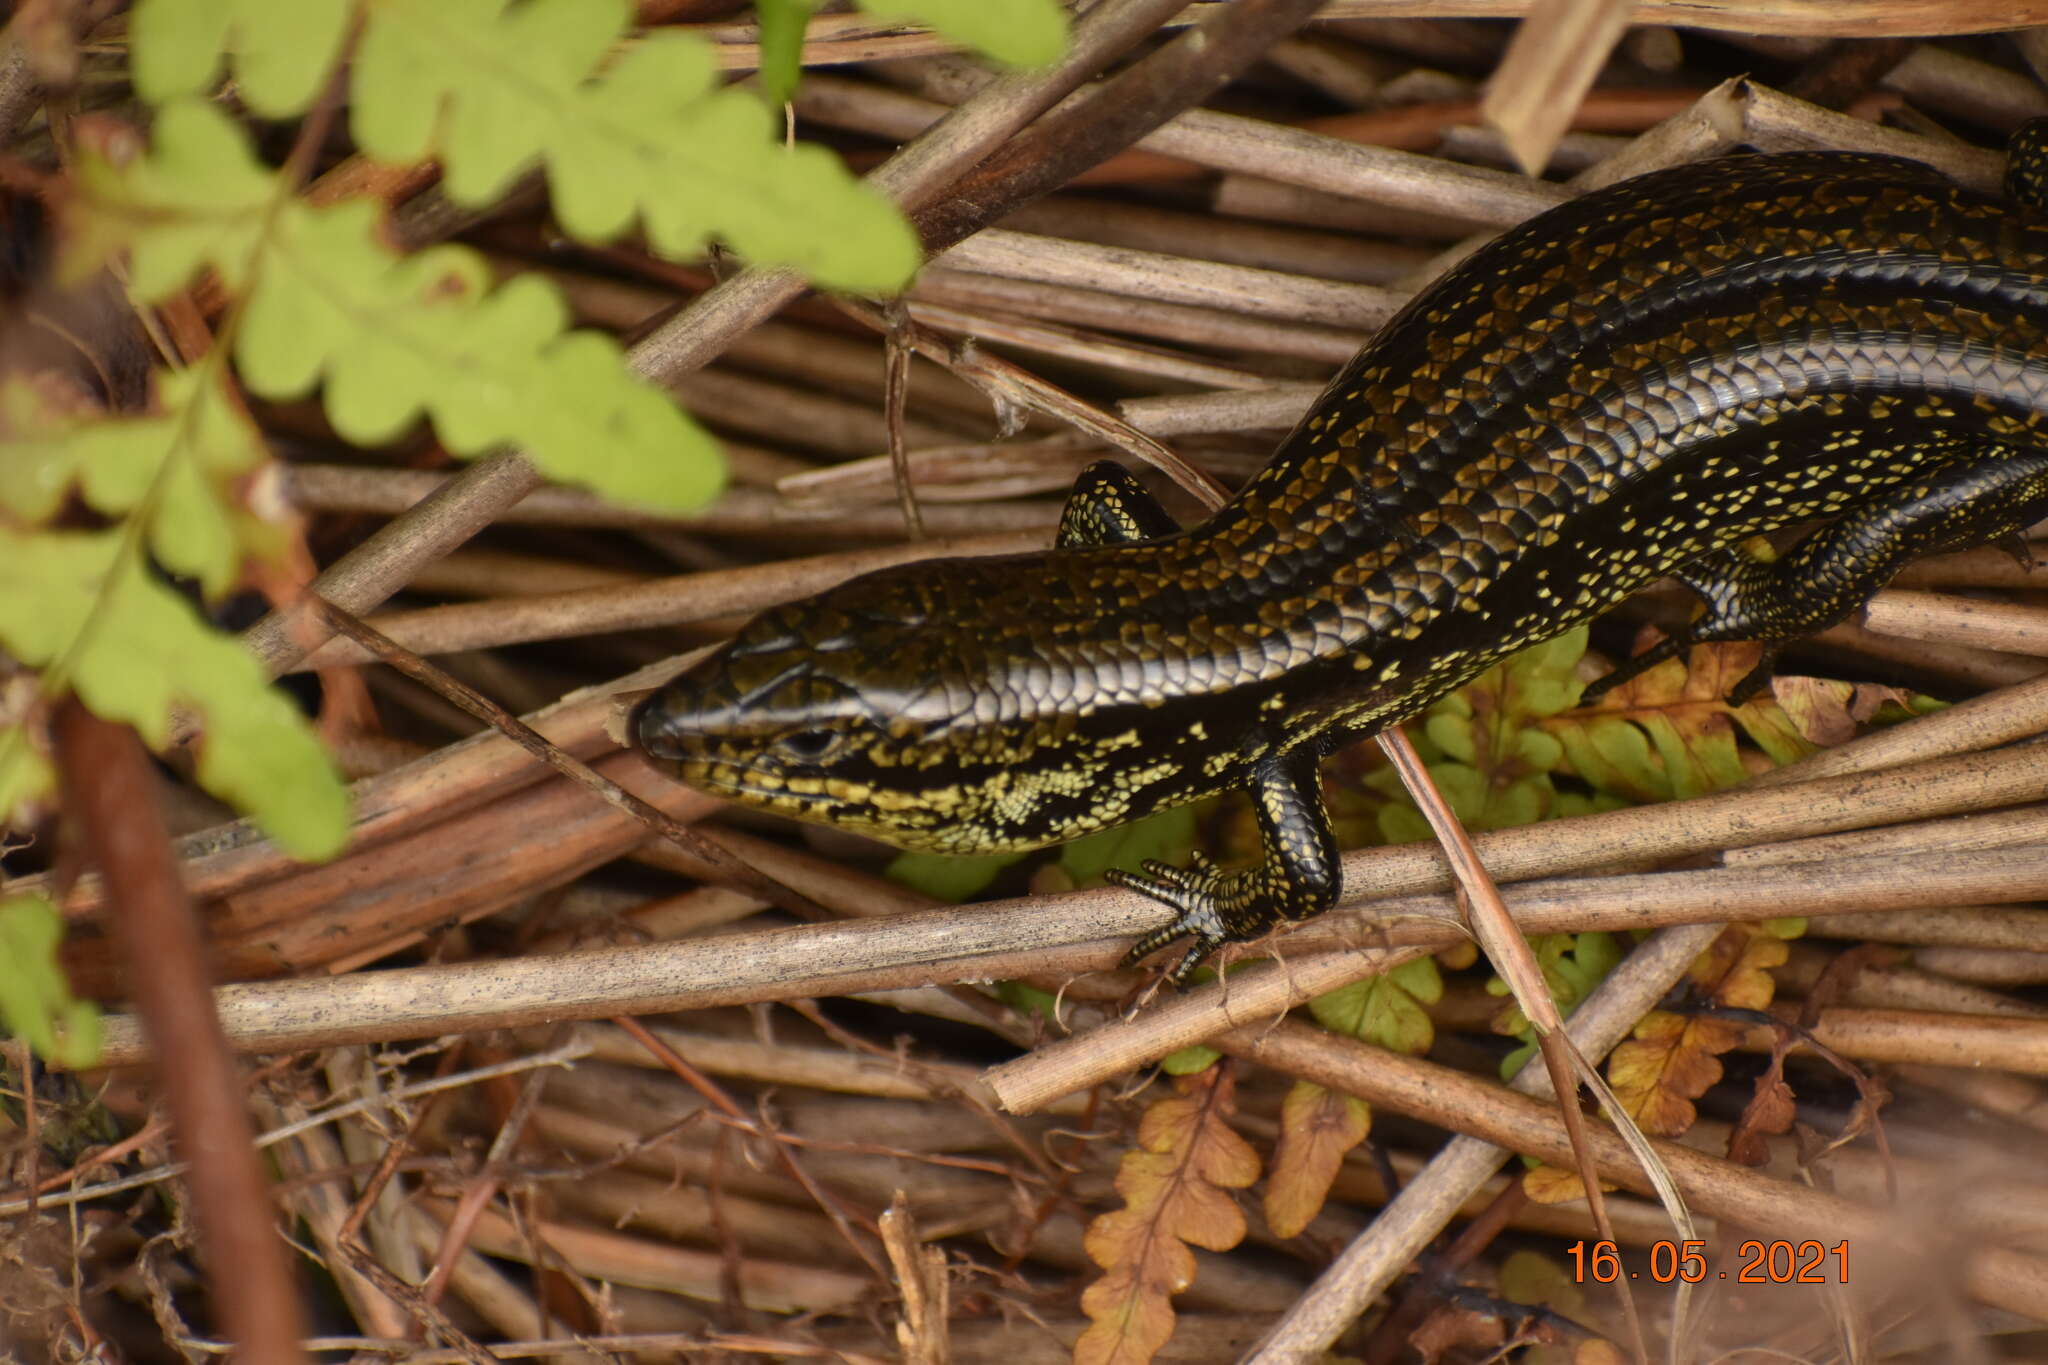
{"points": [[1625, 387]]}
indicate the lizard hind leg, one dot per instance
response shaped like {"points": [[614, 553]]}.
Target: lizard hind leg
{"points": [[1735, 590], [1735, 587], [1829, 575]]}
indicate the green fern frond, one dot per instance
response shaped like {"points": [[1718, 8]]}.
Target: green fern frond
{"points": [[26, 776], [1019, 32], [393, 337], [282, 52], [180, 467], [780, 36], [87, 598], [36, 1004], [491, 89]]}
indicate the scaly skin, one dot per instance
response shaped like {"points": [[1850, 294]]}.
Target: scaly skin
{"points": [[1624, 387]]}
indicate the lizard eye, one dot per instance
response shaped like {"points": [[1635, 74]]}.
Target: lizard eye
{"points": [[809, 746]]}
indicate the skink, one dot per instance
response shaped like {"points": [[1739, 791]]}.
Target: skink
{"points": [[1628, 386]]}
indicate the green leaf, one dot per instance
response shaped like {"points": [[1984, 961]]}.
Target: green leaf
{"points": [[1386, 1010], [1027, 999], [1774, 723], [1572, 965], [1544, 678], [198, 198], [1168, 836], [392, 337], [782, 46], [1593, 955], [490, 90], [949, 877], [1019, 32], [1670, 733], [1498, 776], [26, 777], [35, 998], [282, 52], [138, 650], [1614, 756], [194, 454], [1189, 1060]]}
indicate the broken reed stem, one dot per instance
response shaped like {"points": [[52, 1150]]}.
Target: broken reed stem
{"points": [[2002, 928], [1079, 932], [652, 602], [737, 512], [2004, 626]]}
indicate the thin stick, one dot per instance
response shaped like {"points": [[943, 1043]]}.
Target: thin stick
{"points": [[1130, 313], [638, 605], [715, 1096], [1276, 407], [107, 785], [740, 511], [896, 353], [1174, 279], [1093, 348], [1013, 383], [1944, 619], [1504, 946]]}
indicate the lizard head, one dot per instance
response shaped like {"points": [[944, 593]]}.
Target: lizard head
{"points": [[896, 705]]}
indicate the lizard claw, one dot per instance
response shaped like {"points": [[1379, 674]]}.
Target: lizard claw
{"points": [[1190, 891]]}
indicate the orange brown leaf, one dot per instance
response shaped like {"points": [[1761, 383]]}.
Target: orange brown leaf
{"points": [[1176, 1191], [1770, 1110], [1317, 1127], [1735, 971], [1670, 1060], [1549, 1184]]}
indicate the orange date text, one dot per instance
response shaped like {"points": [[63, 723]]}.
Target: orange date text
{"points": [[1754, 1262]]}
